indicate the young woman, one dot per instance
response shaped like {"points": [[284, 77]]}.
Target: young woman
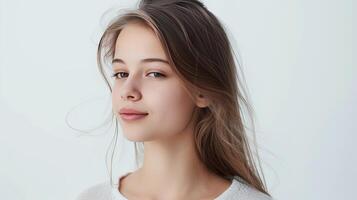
{"points": [[176, 89]]}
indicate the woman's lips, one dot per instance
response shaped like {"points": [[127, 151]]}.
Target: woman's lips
{"points": [[130, 117]]}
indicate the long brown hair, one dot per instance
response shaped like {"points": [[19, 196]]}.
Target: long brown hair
{"points": [[200, 53]]}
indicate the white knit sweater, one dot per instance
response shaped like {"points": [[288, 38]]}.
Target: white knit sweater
{"points": [[236, 191]]}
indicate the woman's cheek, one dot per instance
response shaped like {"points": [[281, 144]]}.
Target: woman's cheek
{"points": [[172, 109]]}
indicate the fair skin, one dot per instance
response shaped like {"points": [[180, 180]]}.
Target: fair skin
{"points": [[171, 167]]}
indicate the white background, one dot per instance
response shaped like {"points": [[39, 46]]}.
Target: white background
{"points": [[300, 64]]}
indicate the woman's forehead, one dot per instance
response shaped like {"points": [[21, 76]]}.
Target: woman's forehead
{"points": [[139, 40]]}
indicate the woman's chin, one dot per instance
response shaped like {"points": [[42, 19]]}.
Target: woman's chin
{"points": [[136, 137]]}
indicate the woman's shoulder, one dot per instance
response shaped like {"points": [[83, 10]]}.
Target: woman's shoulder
{"points": [[250, 193], [98, 191], [242, 191]]}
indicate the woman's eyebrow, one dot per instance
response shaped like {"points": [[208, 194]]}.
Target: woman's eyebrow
{"points": [[146, 60]]}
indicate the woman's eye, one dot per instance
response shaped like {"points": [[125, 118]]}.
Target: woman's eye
{"points": [[158, 75], [116, 75]]}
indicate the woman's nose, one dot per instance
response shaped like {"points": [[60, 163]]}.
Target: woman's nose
{"points": [[130, 90]]}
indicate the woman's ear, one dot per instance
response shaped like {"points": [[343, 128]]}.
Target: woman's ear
{"points": [[201, 101]]}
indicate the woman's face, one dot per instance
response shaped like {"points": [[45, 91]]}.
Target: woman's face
{"points": [[151, 87]]}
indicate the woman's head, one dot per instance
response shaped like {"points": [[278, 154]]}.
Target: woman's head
{"points": [[145, 81], [199, 86]]}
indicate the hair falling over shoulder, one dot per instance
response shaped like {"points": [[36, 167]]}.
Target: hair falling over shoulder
{"points": [[200, 52]]}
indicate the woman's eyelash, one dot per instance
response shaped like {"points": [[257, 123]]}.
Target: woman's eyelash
{"points": [[118, 73]]}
